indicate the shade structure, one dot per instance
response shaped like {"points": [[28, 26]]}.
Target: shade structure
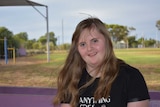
{"points": [[19, 3], [30, 3]]}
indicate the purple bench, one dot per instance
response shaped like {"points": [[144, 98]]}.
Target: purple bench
{"points": [[26, 97], [42, 97], [155, 98]]}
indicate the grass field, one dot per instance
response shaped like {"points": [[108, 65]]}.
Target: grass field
{"points": [[147, 61], [34, 71]]}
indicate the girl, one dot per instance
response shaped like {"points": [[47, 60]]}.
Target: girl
{"points": [[93, 76]]}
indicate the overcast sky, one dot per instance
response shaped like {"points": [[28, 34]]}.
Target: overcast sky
{"points": [[140, 14]]}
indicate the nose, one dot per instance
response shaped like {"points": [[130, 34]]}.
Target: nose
{"points": [[89, 47]]}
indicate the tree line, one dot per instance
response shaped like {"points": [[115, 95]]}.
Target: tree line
{"points": [[120, 35]]}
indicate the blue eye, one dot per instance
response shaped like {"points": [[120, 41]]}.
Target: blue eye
{"points": [[82, 44], [94, 40]]}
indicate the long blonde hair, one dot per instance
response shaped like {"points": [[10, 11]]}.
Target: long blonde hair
{"points": [[70, 74]]}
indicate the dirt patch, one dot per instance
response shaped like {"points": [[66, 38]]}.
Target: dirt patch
{"points": [[27, 71]]}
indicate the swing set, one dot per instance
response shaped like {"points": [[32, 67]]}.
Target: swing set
{"points": [[6, 51]]}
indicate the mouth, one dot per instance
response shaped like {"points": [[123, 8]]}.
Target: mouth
{"points": [[92, 54]]}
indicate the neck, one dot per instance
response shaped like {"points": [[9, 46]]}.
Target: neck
{"points": [[93, 71]]}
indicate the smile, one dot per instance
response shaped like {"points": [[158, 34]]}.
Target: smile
{"points": [[92, 54]]}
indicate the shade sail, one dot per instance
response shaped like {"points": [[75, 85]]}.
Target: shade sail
{"points": [[19, 3]]}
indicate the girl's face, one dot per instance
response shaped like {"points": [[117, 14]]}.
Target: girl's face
{"points": [[92, 47]]}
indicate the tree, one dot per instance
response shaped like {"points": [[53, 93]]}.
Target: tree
{"points": [[146, 43], [29, 44], [131, 28], [131, 38], [65, 46], [17, 42], [4, 32], [52, 38], [43, 39], [118, 32], [150, 42], [21, 39], [158, 26], [22, 35], [132, 42], [51, 45], [141, 42], [36, 45]]}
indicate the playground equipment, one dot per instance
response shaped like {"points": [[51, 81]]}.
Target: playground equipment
{"points": [[6, 52], [14, 55], [33, 4]]}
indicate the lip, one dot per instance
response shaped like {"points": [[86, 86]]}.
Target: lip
{"points": [[92, 54]]}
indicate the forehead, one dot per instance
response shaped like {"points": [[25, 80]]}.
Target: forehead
{"points": [[89, 33]]}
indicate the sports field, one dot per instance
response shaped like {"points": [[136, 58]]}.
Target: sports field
{"points": [[34, 71]]}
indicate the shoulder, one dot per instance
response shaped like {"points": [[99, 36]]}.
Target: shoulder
{"points": [[135, 83], [129, 71], [127, 67], [131, 78]]}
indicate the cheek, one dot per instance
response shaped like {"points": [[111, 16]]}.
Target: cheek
{"points": [[81, 52], [102, 48]]}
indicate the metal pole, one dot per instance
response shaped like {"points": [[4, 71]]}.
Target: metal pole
{"points": [[5, 50], [156, 38], [48, 37], [14, 56], [62, 33]]}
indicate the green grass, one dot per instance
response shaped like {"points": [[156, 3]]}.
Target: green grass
{"points": [[149, 58], [57, 58], [139, 56], [42, 74], [147, 61]]}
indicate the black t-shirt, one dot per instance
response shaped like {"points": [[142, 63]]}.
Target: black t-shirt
{"points": [[129, 86]]}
